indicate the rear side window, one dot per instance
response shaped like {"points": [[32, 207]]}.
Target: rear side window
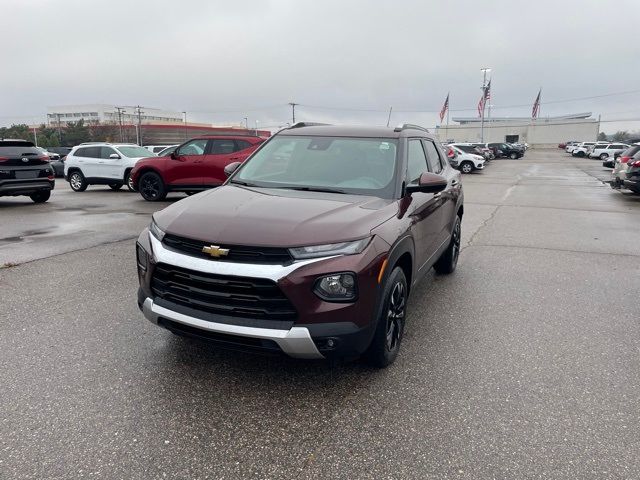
{"points": [[242, 144], [416, 161], [90, 152], [435, 165], [222, 147]]}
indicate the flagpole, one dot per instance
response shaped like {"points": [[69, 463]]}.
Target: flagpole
{"points": [[539, 103], [484, 101]]}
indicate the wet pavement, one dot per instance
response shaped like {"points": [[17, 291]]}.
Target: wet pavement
{"points": [[523, 364]]}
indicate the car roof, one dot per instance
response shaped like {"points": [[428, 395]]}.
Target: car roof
{"points": [[356, 131], [225, 137]]}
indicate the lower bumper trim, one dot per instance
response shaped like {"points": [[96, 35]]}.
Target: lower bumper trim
{"points": [[295, 342]]}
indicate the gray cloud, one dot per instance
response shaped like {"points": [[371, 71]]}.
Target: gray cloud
{"points": [[223, 60]]}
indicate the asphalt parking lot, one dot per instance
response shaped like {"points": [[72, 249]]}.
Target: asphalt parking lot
{"points": [[523, 364]]}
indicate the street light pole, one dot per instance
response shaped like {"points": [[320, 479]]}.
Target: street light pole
{"points": [[484, 101], [120, 112], [185, 125], [293, 112]]}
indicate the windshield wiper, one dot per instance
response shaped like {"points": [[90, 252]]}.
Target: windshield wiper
{"points": [[244, 184], [316, 189]]}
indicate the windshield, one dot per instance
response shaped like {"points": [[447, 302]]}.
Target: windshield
{"points": [[135, 151], [363, 166]]}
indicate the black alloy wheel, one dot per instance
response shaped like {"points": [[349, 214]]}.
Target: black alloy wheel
{"points": [[449, 260], [151, 187], [391, 320], [395, 316]]}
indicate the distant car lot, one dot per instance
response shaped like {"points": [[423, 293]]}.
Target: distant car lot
{"points": [[511, 335]]}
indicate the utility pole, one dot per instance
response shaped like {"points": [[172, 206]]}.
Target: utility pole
{"points": [[59, 132], [293, 112], [484, 101], [389, 117], [35, 136], [139, 132], [185, 125], [246, 123], [120, 112]]}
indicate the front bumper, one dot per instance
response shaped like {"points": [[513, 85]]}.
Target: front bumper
{"points": [[295, 342], [320, 330]]}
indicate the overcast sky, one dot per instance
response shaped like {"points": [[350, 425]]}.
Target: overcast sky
{"points": [[225, 60]]}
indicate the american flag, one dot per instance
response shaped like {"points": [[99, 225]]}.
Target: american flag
{"points": [[486, 95], [445, 107], [536, 106]]}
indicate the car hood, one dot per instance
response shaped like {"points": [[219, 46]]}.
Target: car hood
{"points": [[233, 215]]}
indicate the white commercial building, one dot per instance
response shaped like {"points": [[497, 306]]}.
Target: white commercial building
{"points": [[540, 132], [109, 114]]}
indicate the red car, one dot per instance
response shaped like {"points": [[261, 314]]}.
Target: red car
{"points": [[194, 166]]}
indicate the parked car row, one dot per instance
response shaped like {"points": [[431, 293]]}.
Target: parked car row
{"points": [[600, 149], [626, 169]]}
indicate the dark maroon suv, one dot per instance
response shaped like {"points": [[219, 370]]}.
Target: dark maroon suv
{"points": [[310, 248]]}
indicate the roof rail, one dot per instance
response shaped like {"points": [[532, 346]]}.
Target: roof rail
{"points": [[92, 143], [409, 126], [308, 124]]}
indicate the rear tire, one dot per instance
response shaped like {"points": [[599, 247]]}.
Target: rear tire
{"points": [[77, 182], [115, 186], [513, 156], [604, 156], [40, 197], [390, 323], [449, 259], [466, 167], [151, 187]]}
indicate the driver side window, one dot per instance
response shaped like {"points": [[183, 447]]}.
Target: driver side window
{"points": [[106, 151], [416, 161], [194, 147]]}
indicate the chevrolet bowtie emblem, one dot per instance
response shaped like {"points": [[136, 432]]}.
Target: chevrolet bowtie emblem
{"points": [[215, 251]]}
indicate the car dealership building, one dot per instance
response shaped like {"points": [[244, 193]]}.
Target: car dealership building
{"points": [[539, 132]]}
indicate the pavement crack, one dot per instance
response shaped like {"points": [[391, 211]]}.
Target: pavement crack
{"points": [[482, 225], [553, 249]]}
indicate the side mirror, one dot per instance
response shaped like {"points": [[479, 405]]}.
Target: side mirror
{"points": [[114, 156], [232, 167], [428, 183], [174, 154]]}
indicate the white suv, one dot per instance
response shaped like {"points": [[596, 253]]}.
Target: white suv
{"points": [[102, 164], [605, 151], [466, 162]]}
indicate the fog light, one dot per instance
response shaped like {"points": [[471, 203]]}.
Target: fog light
{"points": [[339, 287], [142, 257]]}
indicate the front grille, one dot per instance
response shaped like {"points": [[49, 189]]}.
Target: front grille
{"points": [[237, 253], [222, 294]]}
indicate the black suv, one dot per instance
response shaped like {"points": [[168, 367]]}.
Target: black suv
{"points": [[24, 170], [505, 150]]}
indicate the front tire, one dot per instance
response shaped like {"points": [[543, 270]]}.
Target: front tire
{"points": [[466, 167], [386, 341], [40, 197], [151, 187], [513, 156], [449, 259], [129, 181], [77, 182]]}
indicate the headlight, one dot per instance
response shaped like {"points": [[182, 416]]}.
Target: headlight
{"points": [[141, 256], [344, 248], [155, 230], [339, 287]]}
